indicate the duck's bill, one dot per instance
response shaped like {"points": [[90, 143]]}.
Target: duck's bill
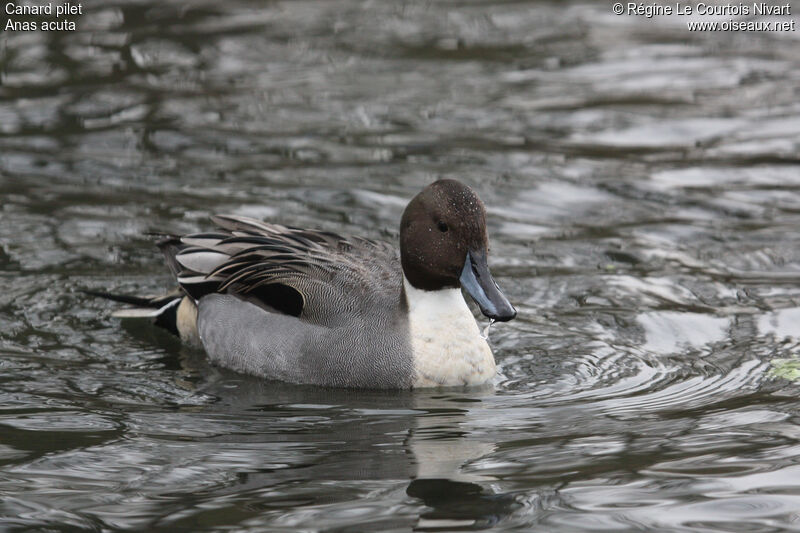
{"points": [[478, 282]]}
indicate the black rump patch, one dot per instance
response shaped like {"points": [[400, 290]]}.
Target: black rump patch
{"points": [[275, 297]]}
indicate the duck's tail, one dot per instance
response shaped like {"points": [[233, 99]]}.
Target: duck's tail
{"points": [[163, 310]]}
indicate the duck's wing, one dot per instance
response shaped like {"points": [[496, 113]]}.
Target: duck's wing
{"points": [[316, 275]]}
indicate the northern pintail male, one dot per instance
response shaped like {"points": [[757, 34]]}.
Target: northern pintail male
{"points": [[314, 307]]}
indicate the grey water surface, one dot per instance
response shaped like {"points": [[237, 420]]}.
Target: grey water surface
{"points": [[643, 189]]}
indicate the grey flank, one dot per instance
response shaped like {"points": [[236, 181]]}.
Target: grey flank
{"points": [[370, 351]]}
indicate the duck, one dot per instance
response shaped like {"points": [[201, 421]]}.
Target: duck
{"points": [[318, 308]]}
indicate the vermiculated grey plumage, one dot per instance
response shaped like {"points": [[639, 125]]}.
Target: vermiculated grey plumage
{"points": [[349, 288]]}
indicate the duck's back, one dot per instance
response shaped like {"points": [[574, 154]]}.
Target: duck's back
{"points": [[297, 305]]}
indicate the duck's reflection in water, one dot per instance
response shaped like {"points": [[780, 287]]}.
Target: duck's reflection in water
{"points": [[326, 435], [456, 505], [442, 445]]}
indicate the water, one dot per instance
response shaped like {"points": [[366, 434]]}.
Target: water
{"points": [[643, 188]]}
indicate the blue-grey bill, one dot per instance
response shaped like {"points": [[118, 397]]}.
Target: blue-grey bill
{"points": [[478, 282]]}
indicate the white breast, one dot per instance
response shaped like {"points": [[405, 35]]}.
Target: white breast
{"points": [[448, 349]]}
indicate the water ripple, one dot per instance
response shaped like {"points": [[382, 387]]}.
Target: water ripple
{"points": [[643, 200]]}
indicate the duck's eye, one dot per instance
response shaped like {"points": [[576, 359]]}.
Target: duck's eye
{"points": [[442, 226]]}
